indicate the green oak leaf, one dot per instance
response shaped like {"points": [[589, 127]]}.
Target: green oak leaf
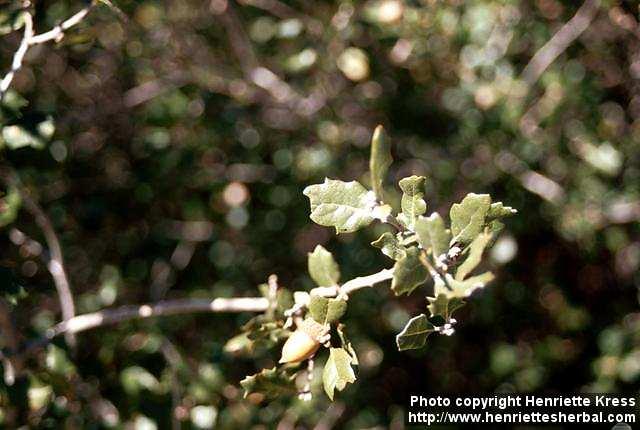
{"points": [[412, 202], [337, 371], [347, 206], [408, 273], [380, 160], [390, 246], [495, 227], [443, 306], [433, 234], [323, 269], [326, 311], [468, 218], [346, 344], [498, 210], [461, 289], [474, 255], [414, 334], [272, 383]]}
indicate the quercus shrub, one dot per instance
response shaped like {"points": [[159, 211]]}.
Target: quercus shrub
{"points": [[426, 250]]}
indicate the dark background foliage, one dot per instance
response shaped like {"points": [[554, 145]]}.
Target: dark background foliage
{"points": [[186, 130]]}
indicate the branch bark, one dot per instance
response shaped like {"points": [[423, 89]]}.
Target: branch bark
{"points": [[56, 265], [353, 285], [560, 41], [30, 39], [121, 314]]}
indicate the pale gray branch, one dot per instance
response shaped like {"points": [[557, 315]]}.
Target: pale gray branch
{"points": [[354, 284], [58, 31], [18, 57], [29, 39], [56, 263], [560, 41], [166, 307]]}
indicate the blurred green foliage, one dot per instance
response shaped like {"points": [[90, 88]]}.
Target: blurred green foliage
{"points": [[170, 143]]}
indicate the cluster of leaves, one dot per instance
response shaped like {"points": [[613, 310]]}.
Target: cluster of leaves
{"points": [[422, 246], [423, 249]]}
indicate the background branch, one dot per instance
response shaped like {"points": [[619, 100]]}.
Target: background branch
{"points": [[560, 41], [56, 263], [29, 39], [166, 307]]}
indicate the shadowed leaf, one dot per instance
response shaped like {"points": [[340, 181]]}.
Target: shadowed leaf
{"points": [[415, 333]]}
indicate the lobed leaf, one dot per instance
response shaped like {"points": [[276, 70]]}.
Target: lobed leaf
{"points": [[414, 335], [326, 311], [337, 371], [412, 203], [347, 206], [408, 273], [323, 268], [269, 382], [390, 246], [433, 234], [461, 289], [499, 210], [380, 160], [468, 218], [443, 306], [346, 344], [474, 256]]}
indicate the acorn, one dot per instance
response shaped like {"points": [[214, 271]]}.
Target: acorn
{"points": [[303, 342]]}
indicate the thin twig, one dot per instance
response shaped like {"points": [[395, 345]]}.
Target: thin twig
{"points": [[58, 31], [353, 285], [56, 264], [166, 307], [29, 40], [18, 57], [121, 314], [560, 41]]}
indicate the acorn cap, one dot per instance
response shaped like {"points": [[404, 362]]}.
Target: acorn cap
{"points": [[312, 328]]}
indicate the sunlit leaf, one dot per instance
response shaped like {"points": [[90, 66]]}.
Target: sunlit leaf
{"points": [[347, 206], [390, 246], [499, 210], [326, 311], [346, 344], [380, 160], [433, 234], [271, 383], [462, 289], [323, 268], [468, 218], [474, 255], [337, 371], [412, 203]]}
